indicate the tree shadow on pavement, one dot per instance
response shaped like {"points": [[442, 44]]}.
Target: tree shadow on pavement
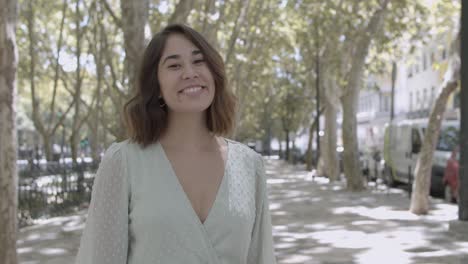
{"points": [[54, 240], [320, 222]]}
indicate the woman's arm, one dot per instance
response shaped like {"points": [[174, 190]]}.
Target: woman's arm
{"points": [[261, 249], [105, 237]]}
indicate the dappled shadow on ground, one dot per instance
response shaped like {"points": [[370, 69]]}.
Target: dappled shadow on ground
{"points": [[314, 222], [43, 242], [319, 222]]}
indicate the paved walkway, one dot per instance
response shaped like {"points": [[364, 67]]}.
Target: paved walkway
{"points": [[314, 222]]}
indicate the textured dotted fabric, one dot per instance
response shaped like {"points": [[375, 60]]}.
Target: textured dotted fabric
{"points": [[139, 212]]}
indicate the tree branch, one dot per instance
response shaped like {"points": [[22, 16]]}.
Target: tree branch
{"points": [[117, 20]]}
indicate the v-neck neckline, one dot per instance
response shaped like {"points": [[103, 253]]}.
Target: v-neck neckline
{"points": [[184, 195]]}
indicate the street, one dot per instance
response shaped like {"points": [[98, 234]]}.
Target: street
{"points": [[314, 222]]}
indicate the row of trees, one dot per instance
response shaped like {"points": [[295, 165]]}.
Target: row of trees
{"points": [[79, 60]]}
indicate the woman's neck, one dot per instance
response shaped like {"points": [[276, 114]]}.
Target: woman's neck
{"points": [[188, 132]]}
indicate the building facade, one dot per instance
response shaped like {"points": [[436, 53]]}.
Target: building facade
{"points": [[419, 80]]}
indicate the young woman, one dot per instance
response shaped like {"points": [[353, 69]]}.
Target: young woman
{"points": [[177, 191]]}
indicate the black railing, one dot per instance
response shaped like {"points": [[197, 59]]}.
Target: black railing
{"points": [[53, 189]]}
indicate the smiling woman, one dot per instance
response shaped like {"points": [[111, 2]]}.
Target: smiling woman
{"points": [[177, 191], [177, 58], [186, 82]]}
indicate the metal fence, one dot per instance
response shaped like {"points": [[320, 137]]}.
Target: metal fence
{"points": [[53, 189]]}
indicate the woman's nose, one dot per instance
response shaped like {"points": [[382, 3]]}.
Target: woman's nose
{"points": [[189, 71]]}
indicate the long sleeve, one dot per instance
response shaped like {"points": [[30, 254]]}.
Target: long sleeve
{"points": [[105, 237], [261, 250]]}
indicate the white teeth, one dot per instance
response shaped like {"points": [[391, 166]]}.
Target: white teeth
{"points": [[192, 89]]}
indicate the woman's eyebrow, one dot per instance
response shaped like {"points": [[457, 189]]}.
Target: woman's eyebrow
{"points": [[175, 56]]}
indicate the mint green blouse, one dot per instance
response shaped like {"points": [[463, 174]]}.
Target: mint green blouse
{"points": [[139, 212]]}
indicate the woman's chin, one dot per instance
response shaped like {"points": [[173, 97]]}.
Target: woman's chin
{"points": [[186, 109]]}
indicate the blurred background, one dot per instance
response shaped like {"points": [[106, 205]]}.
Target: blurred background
{"points": [[344, 88], [288, 62]]}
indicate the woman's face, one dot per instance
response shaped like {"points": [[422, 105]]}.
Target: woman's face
{"points": [[186, 82]]}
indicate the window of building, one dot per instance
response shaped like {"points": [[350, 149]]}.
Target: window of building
{"points": [[411, 101], [418, 100], [410, 71], [432, 58], [432, 95], [387, 103], [380, 102], [444, 54], [424, 62], [425, 101]]}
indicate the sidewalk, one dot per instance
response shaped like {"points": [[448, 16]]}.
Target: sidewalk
{"points": [[314, 222], [318, 222]]}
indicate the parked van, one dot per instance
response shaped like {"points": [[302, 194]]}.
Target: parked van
{"points": [[403, 143]]}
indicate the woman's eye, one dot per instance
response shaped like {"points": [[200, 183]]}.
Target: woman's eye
{"points": [[174, 66], [199, 61]]}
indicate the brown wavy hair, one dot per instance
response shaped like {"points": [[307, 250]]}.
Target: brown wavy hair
{"points": [[146, 120]]}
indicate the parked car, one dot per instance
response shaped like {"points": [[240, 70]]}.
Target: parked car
{"points": [[402, 145], [450, 179]]}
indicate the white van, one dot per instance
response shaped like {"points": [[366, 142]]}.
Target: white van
{"points": [[402, 144]]}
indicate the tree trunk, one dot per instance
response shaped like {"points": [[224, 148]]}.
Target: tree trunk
{"points": [[280, 151], [8, 140], [350, 159], [330, 157], [312, 128], [47, 133], [57, 67], [77, 93], [47, 146], [349, 100], [94, 139], [331, 98], [267, 124], [73, 148], [309, 156], [36, 111], [321, 162], [99, 53], [210, 28], [209, 8], [287, 153], [291, 158], [243, 11], [181, 12], [422, 180], [134, 19]]}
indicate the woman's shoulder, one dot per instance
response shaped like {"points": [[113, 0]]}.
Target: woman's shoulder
{"points": [[128, 145], [119, 148], [114, 151], [244, 150]]}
